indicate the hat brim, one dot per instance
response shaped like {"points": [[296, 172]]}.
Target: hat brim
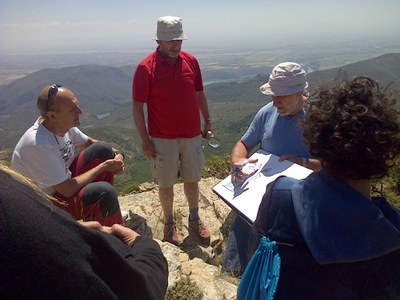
{"points": [[266, 89], [170, 37]]}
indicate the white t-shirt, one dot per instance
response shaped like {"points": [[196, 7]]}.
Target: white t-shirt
{"points": [[45, 157]]}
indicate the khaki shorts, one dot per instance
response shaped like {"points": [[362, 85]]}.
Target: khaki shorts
{"points": [[182, 157]]}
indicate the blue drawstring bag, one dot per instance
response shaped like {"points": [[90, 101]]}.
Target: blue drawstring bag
{"points": [[261, 276]]}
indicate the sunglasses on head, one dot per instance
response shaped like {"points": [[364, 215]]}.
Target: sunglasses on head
{"points": [[52, 92]]}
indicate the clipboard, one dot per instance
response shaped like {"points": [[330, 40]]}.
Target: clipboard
{"points": [[245, 197]]}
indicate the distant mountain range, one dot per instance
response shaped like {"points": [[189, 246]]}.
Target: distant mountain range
{"points": [[105, 96], [385, 69], [103, 89]]}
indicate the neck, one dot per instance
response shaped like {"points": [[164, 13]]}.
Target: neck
{"points": [[363, 186], [172, 60], [52, 128], [300, 104]]}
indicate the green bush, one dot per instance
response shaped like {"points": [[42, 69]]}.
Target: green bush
{"points": [[218, 166], [389, 186], [184, 289], [124, 188]]}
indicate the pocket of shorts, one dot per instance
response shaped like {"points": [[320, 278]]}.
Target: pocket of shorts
{"points": [[157, 159], [200, 154]]}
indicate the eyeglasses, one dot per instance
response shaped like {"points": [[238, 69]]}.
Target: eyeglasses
{"points": [[52, 92]]}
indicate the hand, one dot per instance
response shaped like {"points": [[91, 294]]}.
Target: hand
{"points": [[123, 233], [114, 165], [207, 127], [238, 175], [148, 150], [240, 162], [121, 158]]}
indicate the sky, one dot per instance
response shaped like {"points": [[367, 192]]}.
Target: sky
{"points": [[45, 26]]}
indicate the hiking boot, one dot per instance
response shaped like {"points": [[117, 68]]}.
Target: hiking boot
{"points": [[171, 233], [199, 228]]}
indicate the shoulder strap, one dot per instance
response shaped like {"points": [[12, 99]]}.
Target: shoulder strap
{"points": [[262, 220]]}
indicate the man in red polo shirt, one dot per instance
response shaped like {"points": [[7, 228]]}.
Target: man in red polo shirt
{"points": [[169, 82]]}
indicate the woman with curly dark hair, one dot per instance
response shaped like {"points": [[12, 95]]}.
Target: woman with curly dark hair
{"points": [[353, 129], [335, 240]]}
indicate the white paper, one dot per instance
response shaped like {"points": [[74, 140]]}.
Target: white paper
{"points": [[245, 197]]}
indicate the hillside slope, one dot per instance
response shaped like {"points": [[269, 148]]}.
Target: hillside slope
{"points": [[384, 68], [98, 88]]}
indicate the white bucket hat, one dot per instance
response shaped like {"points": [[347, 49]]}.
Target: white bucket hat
{"points": [[287, 78], [169, 28]]}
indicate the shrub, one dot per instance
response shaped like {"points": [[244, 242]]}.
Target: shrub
{"points": [[184, 289], [389, 186], [218, 166]]}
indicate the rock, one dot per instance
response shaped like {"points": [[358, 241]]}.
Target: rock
{"points": [[200, 262], [207, 277]]}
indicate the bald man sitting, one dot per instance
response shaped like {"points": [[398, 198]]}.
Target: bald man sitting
{"points": [[47, 154]]}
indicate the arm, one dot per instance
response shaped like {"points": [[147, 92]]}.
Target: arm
{"points": [[138, 116], [310, 163], [147, 262], [239, 154], [203, 105], [70, 186], [125, 234], [313, 164], [88, 143], [118, 154]]}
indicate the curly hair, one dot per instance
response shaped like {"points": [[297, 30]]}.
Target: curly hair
{"points": [[353, 129]]}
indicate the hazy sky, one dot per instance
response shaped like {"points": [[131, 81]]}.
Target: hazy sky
{"points": [[48, 25]]}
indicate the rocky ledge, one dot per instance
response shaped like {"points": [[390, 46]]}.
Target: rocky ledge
{"points": [[193, 259]]}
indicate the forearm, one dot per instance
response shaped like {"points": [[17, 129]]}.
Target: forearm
{"points": [[139, 119], [313, 164], [203, 105], [239, 153], [71, 186], [310, 163]]}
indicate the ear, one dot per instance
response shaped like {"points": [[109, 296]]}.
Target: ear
{"points": [[51, 115]]}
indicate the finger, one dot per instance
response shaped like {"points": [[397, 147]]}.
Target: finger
{"points": [[119, 157], [283, 157], [125, 234], [92, 224]]}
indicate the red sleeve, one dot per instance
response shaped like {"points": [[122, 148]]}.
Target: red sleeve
{"points": [[198, 83], [199, 80], [141, 84]]}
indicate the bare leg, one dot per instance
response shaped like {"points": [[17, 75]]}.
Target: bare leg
{"points": [[192, 195], [166, 196], [195, 224]]}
